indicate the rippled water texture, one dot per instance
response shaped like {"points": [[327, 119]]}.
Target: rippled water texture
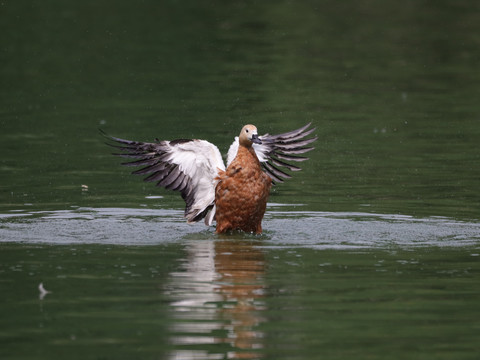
{"points": [[123, 283], [316, 230]]}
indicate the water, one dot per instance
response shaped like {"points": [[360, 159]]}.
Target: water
{"points": [[286, 228], [372, 251], [128, 283]]}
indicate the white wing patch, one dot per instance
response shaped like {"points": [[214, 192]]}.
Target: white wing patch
{"points": [[188, 166], [232, 151], [200, 161]]}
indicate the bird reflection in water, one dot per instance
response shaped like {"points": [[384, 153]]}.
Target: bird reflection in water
{"points": [[217, 301]]}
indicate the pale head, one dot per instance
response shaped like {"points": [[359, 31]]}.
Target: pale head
{"points": [[248, 135]]}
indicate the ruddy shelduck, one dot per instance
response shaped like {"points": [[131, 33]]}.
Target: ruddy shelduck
{"points": [[235, 196]]}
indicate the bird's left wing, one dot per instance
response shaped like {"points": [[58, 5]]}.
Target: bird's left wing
{"points": [[188, 166], [276, 151]]}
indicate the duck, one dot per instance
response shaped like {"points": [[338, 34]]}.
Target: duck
{"points": [[234, 196]]}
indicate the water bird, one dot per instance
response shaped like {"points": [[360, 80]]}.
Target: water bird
{"points": [[234, 196], [42, 291]]}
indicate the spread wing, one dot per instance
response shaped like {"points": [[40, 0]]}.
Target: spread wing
{"points": [[188, 166], [276, 151]]}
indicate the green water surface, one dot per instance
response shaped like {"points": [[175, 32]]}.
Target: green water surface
{"points": [[370, 252]]}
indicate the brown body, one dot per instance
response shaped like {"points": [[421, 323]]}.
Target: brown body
{"points": [[242, 192]]}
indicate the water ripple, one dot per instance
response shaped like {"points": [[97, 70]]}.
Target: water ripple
{"points": [[311, 229]]}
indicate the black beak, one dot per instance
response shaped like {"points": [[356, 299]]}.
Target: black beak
{"points": [[255, 139]]}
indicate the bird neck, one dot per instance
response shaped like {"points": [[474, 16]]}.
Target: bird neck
{"points": [[248, 151]]}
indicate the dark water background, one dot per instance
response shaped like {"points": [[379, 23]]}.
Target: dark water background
{"points": [[372, 251]]}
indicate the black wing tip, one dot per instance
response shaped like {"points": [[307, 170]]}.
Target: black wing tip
{"points": [[111, 138], [105, 135], [287, 147]]}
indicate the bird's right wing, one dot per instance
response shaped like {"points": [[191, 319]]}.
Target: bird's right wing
{"points": [[188, 166]]}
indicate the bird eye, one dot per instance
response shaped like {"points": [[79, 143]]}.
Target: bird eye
{"points": [[246, 130]]}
